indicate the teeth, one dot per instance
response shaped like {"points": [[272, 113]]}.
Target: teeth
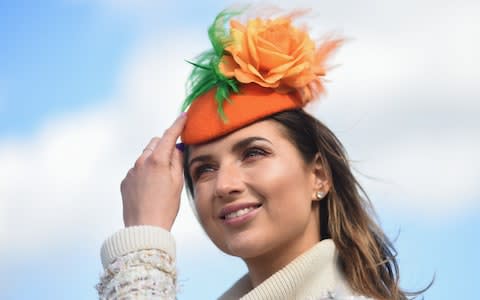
{"points": [[238, 213]]}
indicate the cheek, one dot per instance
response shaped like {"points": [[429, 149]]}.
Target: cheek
{"points": [[206, 216], [204, 206], [286, 188], [201, 202], [280, 178]]}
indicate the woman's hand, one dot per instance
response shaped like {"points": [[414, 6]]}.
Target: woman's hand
{"points": [[151, 190]]}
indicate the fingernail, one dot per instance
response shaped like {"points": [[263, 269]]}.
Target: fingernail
{"points": [[182, 114], [180, 146]]}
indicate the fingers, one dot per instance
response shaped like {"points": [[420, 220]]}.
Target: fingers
{"points": [[160, 150], [151, 145], [177, 162], [147, 151], [166, 145]]}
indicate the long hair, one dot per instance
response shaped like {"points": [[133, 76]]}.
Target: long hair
{"points": [[366, 256]]}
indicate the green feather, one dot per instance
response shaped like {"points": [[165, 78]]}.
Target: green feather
{"points": [[218, 33], [205, 74], [199, 65]]}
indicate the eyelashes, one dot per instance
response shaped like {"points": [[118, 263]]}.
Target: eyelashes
{"points": [[248, 156], [200, 170], [253, 152]]}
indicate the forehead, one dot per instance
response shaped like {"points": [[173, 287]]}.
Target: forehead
{"points": [[268, 129]]}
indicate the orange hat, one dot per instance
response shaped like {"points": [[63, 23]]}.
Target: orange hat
{"points": [[255, 70]]}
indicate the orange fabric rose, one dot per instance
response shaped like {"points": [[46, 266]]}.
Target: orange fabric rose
{"points": [[275, 54]]}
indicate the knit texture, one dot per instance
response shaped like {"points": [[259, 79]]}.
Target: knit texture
{"points": [[136, 238], [312, 275], [144, 274], [139, 264]]}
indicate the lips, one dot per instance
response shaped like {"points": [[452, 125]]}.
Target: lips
{"points": [[237, 210]]}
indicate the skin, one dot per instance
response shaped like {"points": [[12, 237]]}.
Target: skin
{"points": [[257, 165], [151, 190]]}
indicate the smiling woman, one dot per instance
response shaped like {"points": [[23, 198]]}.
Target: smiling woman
{"points": [[270, 183], [254, 195]]}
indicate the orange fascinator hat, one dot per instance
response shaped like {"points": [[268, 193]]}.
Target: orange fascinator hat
{"points": [[254, 70]]}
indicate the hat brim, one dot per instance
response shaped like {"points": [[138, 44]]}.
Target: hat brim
{"points": [[251, 104]]}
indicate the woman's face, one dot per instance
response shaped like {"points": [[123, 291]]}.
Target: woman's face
{"points": [[254, 194]]}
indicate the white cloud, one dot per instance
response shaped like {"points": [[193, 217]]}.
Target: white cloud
{"points": [[429, 175], [391, 103], [64, 179], [47, 180], [405, 102]]}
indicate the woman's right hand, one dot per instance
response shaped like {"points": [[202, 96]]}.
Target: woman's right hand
{"points": [[151, 190]]}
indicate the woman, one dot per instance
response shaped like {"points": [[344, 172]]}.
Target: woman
{"points": [[270, 183]]}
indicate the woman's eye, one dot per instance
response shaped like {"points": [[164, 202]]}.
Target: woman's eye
{"points": [[254, 152], [200, 170]]}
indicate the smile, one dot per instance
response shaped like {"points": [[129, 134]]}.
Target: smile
{"points": [[239, 215]]}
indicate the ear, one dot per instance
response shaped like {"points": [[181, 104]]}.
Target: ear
{"points": [[321, 180]]}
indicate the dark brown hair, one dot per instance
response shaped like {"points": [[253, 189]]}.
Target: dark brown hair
{"points": [[366, 256]]}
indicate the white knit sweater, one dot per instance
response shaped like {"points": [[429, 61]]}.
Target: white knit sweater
{"points": [[139, 263]]}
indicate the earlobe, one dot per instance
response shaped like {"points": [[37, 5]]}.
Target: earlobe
{"points": [[321, 190], [319, 195], [322, 183]]}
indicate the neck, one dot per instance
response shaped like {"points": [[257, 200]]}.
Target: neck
{"points": [[262, 267]]}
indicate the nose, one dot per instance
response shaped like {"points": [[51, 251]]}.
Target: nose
{"points": [[229, 182]]}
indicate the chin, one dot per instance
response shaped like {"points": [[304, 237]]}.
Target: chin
{"points": [[245, 243], [243, 248]]}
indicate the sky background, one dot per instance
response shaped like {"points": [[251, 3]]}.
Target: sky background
{"points": [[85, 84]]}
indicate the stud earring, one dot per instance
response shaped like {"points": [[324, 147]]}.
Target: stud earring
{"points": [[320, 195]]}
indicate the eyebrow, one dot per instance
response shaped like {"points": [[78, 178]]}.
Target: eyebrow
{"points": [[235, 148], [245, 142]]}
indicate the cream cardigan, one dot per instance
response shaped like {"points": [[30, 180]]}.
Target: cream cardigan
{"points": [[139, 263], [312, 275]]}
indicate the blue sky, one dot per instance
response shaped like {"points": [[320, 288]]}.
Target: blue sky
{"points": [[41, 40], [84, 84]]}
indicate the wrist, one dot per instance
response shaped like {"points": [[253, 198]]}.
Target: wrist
{"points": [[136, 238]]}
